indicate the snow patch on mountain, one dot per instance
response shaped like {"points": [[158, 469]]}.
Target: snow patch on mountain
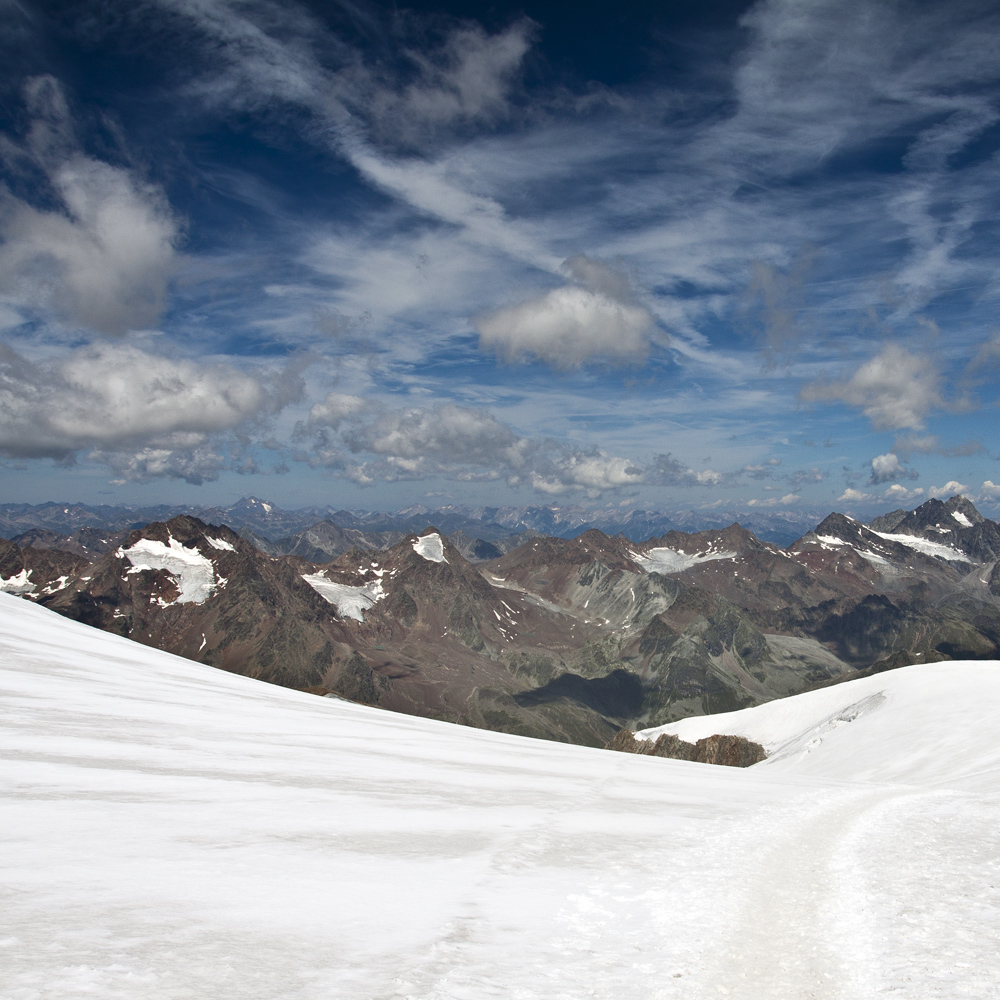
{"points": [[220, 543], [667, 560], [926, 546], [350, 602], [194, 573], [431, 547], [961, 518], [18, 583]]}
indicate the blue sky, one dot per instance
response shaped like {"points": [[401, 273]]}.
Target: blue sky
{"points": [[744, 256]]}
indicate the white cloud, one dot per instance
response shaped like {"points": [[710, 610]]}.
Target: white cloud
{"points": [[336, 408], [665, 470], [139, 412], [949, 489], [901, 494], [103, 257], [888, 468], [896, 389], [567, 327], [415, 438], [788, 498], [853, 496], [466, 443], [989, 491]]}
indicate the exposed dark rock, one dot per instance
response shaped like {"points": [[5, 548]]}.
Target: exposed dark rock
{"points": [[728, 751]]}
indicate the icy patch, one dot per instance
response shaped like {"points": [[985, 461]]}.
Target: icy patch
{"points": [[18, 583], [431, 547], [872, 557], [926, 546], [961, 518], [350, 602], [194, 573], [664, 560], [221, 544], [830, 540]]}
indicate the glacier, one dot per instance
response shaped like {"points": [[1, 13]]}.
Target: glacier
{"points": [[171, 830]]}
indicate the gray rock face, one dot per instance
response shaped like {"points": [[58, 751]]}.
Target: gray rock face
{"points": [[729, 751]]}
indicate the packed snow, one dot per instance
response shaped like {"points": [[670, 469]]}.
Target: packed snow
{"points": [[961, 518], [220, 543], [350, 602], [431, 547], [173, 831], [194, 573], [666, 560]]}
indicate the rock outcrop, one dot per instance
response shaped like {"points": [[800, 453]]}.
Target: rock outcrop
{"points": [[729, 751]]}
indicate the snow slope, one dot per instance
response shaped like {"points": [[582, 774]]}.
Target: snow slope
{"points": [[172, 831], [932, 724]]}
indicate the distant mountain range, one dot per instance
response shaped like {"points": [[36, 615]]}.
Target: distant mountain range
{"points": [[561, 638], [266, 522]]}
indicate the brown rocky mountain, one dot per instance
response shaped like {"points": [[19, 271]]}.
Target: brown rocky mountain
{"points": [[568, 639], [414, 629], [34, 572]]}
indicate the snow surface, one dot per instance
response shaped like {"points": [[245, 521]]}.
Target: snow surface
{"points": [[351, 602], [195, 574], [926, 546], [666, 560], [431, 547], [170, 830], [961, 518], [220, 543]]}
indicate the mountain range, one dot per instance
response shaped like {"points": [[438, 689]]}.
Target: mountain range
{"points": [[266, 522], [570, 639]]}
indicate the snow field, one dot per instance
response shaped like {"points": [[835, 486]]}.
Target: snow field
{"points": [[174, 831], [430, 547], [195, 574]]}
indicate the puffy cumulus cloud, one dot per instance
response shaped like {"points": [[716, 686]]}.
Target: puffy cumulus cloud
{"points": [[555, 467], [949, 489], [896, 389], [142, 414], [763, 470], [851, 495], [900, 494], [802, 476], [788, 498], [887, 468], [193, 465], [989, 491], [336, 408], [666, 470], [595, 317], [456, 435], [463, 442], [103, 256]]}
